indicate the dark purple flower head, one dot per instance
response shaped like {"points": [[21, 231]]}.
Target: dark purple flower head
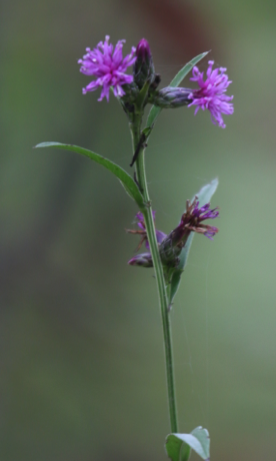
{"points": [[211, 94], [108, 66], [191, 221], [142, 231]]}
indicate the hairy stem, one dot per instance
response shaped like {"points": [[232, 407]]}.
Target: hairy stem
{"points": [[161, 285]]}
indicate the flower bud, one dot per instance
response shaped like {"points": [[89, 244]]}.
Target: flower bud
{"points": [[142, 259], [171, 97], [143, 69]]}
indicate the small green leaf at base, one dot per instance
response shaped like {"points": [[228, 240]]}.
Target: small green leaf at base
{"points": [[204, 196], [179, 446], [125, 179]]}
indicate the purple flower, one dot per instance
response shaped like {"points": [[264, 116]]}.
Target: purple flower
{"points": [[108, 66], [211, 94]]}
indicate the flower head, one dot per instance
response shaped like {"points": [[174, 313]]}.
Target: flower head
{"points": [[108, 66], [211, 94], [144, 259]]}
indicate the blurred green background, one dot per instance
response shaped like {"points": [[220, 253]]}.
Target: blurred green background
{"points": [[82, 375]]}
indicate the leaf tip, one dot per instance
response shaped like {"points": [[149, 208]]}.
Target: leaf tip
{"points": [[45, 144]]}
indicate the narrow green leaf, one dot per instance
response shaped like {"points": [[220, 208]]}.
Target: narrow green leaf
{"points": [[206, 192], [178, 446], [124, 178], [155, 111], [186, 69], [204, 196]]}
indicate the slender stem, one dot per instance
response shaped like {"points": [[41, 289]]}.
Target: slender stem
{"points": [[161, 285]]}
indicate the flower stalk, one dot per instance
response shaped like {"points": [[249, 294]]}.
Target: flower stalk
{"points": [[158, 267]]}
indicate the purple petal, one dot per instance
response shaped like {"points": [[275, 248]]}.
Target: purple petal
{"points": [[210, 94], [108, 66]]}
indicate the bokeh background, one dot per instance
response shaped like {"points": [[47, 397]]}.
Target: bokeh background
{"points": [[82, 375]]}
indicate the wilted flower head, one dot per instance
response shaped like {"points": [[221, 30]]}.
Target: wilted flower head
{"points": [[211, 95], [142, 231], [108, 66], [144, 259], [191, 221]]}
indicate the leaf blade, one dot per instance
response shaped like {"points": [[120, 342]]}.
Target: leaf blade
{"points": [[125, 179], [187, 68], [179, 446]]}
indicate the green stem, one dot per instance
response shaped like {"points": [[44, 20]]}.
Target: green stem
{"points": [[161, 285]]}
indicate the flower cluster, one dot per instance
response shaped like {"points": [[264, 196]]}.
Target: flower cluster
{"points": [[171, 245], [108, 66], [211, 94]]}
